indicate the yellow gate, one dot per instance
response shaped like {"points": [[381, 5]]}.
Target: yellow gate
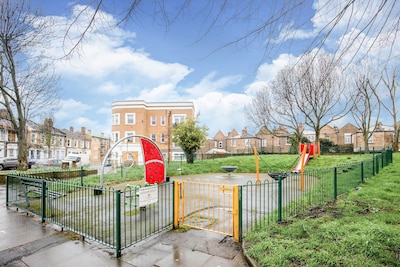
{"points": [[207, 206]]}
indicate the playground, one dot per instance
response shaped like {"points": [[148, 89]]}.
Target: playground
{"points": [[228, 202]]}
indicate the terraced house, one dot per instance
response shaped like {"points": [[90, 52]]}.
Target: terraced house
{"points": [[45, 142]]}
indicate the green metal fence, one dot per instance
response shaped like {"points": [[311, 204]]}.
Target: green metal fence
{"points": [[109, 216], [113, 216], [295, 194]]}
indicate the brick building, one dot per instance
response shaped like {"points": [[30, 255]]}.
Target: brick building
{"points": [[150, 119], [381, 138]]}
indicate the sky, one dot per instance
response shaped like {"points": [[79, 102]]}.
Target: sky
{"points": [[143, 59]]}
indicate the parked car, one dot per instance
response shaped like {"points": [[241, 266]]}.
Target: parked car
{"points": [[8, 163], [45, 163]]}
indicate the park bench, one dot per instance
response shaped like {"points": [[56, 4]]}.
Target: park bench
{"points": [[31, 185]]}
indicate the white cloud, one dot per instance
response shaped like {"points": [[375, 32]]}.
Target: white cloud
{"points": [[209, 84], [108, 64], [109, 88], [163, 92], [222, 111], [266, 73], [70, 109]]}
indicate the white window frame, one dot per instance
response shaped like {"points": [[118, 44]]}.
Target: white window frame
{"points": [[287, 140], [178, 156], [130, 133], [178, 118], [115, 136], [153, 137], [128, 120], [264, 142], [247, 143], [162, 138], [162, 120], [33, 138], [153, 120], [3, 135], [115, 119], [233, 143], [371, 139], [347, 138]]}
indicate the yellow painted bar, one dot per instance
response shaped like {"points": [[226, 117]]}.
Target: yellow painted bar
{"points": [[176, 203], [235, 213]]}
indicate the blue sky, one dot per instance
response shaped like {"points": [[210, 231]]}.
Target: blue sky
{"points": [[143, 59]]}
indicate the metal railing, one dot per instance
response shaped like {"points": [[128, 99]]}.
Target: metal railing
{"points": [[115, 218], [109, 216], [207, 206], [293, 195]]}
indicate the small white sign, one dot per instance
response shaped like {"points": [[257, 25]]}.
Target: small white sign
{"points": [[148, 195]]}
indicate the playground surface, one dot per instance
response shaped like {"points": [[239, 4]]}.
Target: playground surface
{"points": [[24, 241]]}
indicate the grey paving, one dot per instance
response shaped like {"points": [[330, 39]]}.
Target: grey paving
{"points": [[25, 241]]}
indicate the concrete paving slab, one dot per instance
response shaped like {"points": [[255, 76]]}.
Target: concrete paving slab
{"points": [[19, 233], [73, 253], [184, 257]]}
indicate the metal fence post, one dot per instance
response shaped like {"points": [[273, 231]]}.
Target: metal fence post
{"points": [[7, 188], [43, 199], [118, 223], [81, 175], [362, 171], [240, 206], [373, 165], [279, 198], [175, 210], [335, 183], [235, 213]]}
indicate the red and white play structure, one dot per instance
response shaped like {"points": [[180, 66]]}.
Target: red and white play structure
{"points": [[306, 152]]}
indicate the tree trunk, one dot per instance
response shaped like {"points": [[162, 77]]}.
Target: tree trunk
{"points": [[22, 147], [190, 157], [366, 147]]}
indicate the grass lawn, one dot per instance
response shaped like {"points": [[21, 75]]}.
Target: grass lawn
{"points": [[361, 228], [245, 164]]}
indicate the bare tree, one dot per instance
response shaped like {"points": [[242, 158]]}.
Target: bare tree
{"points": [[366, 106], [274, 107], [311, 91], [284, 110], [27, 81], [258, 111], [391, 83], [318, 90]]}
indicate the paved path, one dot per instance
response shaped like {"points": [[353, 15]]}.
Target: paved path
{"points": [[24, 241]]}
